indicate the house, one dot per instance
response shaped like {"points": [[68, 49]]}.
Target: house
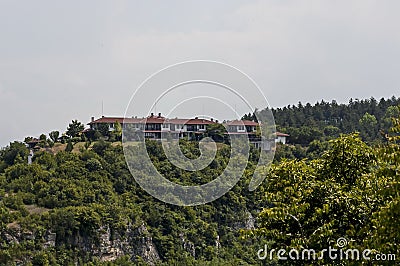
{"points": [[109, 121], [32, 143], [281, 137], [242, 126], [154, 126]]}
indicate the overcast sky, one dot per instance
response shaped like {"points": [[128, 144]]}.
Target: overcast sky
{"points": [[60, 59]]}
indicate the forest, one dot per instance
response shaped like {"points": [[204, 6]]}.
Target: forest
{"points": [[338, 177]]}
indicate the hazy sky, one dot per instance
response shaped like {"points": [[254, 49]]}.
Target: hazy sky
{"points": [[60, 59]]}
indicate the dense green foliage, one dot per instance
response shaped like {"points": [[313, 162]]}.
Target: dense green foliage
{"points": [[326, 120], [80, 193], [352, 191], [344, 186], [310, 127]]}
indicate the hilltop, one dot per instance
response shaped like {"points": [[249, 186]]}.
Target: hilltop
{"points": [[77, 202]]}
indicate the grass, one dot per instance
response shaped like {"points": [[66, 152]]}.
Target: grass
{"points": [[34, 209], [77, 147]]}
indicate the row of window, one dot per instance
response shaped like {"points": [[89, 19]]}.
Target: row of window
{"points": [[241, 128], [158, 126], [181, 126]]}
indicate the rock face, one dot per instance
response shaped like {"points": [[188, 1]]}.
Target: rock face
{"points": [[104, 244], [50, 239], [108, 244], [250, 221], [247, 221], [135, 242]]}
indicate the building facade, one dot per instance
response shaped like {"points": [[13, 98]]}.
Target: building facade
{"points": [[154, 126]]}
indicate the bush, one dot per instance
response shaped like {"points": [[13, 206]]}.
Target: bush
{"points": [[100, 147]]}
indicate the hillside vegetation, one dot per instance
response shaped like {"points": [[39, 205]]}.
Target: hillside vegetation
{"points": [[80, 204]]}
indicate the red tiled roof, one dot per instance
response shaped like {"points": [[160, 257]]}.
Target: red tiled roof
{"points": [[194, 121], [279, 134], [131, 120], [107, 120], [161, 120], [240, 133], [152, 131], [120, 120], [153, 120], [241, 123]]}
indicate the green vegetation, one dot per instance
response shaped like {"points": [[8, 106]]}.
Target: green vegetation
{"points": [[324, 120], [82, 206]]}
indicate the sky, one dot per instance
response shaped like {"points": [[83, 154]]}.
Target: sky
{"points": [[59, 60]]}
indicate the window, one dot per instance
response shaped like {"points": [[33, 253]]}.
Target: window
{"points": [[201, 126], [240, 127], [165, 125]]}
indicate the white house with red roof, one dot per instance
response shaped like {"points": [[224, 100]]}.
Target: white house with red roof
{"points": [[281, 137], [154, 125], [242, 126]]}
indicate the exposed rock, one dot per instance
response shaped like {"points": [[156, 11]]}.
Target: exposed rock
{"points": [[145, 247], [134, 242], [10, 239], [50, 239], [217, 243], [104, 243], [246, 222], [188, 245], [29, 235], [250, 221]]}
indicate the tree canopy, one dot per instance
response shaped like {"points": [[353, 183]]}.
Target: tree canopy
{"points": [[82, 206]]}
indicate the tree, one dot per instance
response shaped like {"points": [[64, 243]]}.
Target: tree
{"points": [[54, 135], [312, 203], [369, 125], [104, 129], [116, 134], [216, 132], [384, 234], [93, 164], [74, 128], [117, 130], [332, 131], [50, 143], [45, 159], [43, 138], [347, 159], [69, 146], [17, 151], [390, 113], [28, 139], [100, 147], [87, 144]]}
